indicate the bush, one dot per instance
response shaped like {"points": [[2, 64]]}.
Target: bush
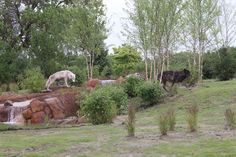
{"points": [[230, 119], [192, 112], [118, 95], [163, 123], [130, 124], [33, 80], [98, 107], [151, 92], [80, 75], [13, 87], [131, 85]]}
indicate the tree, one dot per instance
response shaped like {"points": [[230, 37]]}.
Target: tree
{"points": [[125, 59], [34, 29], [87, 30], [227, 23], [225, 67], [154, 27], [200, 17]]}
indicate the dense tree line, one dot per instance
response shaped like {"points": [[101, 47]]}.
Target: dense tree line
{"points": [[52, 35]]}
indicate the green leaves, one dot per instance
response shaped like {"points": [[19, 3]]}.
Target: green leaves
{"points": [[125, 59]]}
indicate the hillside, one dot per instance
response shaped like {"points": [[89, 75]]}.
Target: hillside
{"points": [[211, 139]]}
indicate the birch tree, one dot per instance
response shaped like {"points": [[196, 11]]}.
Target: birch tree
{"points": [[87, 31], [200, 17], [227, 23]]}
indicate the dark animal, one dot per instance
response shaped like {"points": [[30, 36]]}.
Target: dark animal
{"points": [[173, 77]]}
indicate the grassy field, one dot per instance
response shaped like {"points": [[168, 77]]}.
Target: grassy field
{"points": [[211, 139]]}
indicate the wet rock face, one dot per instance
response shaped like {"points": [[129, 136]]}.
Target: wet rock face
{"points": [[4, 114], [58, 107], [37, 110]]}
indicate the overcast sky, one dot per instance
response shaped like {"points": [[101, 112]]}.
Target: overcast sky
{"points": [[115, 13]]}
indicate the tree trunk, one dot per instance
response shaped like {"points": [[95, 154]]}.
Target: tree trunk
{"points": [[146, 69], [150, 70], [154, 69]]}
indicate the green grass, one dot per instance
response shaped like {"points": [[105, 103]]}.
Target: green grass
{"points": [[210, 139]]}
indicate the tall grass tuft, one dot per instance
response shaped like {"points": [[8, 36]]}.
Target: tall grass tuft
{"points": [[230, 118], [192, 115], [163, 123], [130, 123], [171, 119]]}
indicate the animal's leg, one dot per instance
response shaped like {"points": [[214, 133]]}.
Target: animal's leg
{"points": [[164, 85], [65, 79], [48, 84]]}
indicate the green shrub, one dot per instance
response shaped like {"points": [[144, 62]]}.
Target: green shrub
{"points": [[13, 87], [163, 123], [118, 95], [192, 113], [33, 80], [80, 75], [3, 88], [130, 123], [98, 107], [230, 119], [131, 85], [151, 92]]}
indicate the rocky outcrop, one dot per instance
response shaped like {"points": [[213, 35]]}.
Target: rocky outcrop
{"points": [[57, 105]]}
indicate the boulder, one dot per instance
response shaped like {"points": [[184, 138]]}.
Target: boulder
{"points": [[37, 105], [4, 114], [58, 110], [38, 117], [27, 114]]}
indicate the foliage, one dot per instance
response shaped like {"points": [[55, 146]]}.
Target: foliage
{"points": [[125, 59], [163, 123], [151, 92], [117, 94], [209, 64], [226, 65], [33, 80], [131, 85], [98, 107], [192, 114], [80, 75], [88, 32], [130, 123], [194, 76], [230, 118]]}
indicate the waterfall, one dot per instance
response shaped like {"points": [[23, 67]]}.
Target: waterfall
{"points": [[11, 114]]}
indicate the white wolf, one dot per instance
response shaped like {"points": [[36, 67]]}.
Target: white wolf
{"points": [[64, 74]]}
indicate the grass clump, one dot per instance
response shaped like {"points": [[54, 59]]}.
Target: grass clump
{"points": [[163, 123], [230, 118], [192, 115], [130, 123], [171, 119]]}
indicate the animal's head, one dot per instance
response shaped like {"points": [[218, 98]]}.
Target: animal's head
{"points": [[72, 77], [187, 73]]}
